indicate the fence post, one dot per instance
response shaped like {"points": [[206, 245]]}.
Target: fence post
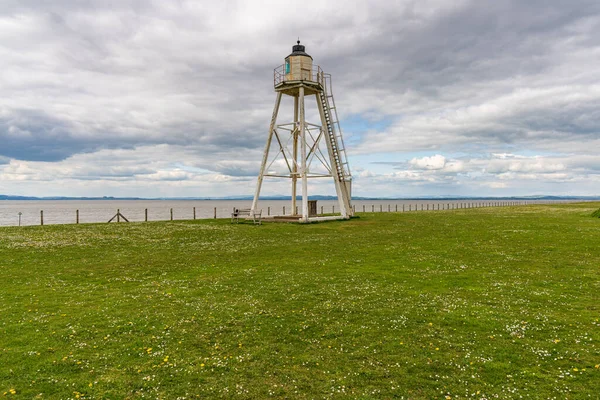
{"points": [[410, 207], [146, 214], [396, 207], [283, 210], [268, 210], [194, 212], [363, 208], [118, 215], [333, 209], [372, 207], [171, 214], [296, 210], [389, 208], [353, 208], [402, 207], [321, 210], [427, 206], [215, 215], [381, 208], [77, 216], [41, 217]]}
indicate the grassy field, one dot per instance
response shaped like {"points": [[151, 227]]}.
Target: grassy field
{"points": [[478, 303]]}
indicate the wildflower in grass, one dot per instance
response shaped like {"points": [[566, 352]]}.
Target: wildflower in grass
{"points": [[12, 391], [597, 366]]}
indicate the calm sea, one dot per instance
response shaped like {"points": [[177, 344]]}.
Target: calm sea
{"points": [[64, 211]]}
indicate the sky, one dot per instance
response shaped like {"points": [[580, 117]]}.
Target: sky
{"points": [[174, 98]]}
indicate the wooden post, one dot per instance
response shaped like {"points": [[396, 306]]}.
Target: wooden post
{"points": [[146, 214], [372, 207], [268, 210], [42, 217], [381, 208], [171, 214], [215, 215], [77, 216], [410, 207], [427, 206], [194, 212], [396, 207], [363, 208], [283, 210], [333, 209], [389, 208], [118, 215], [402, 207], [321, 210], [296, 210], [353, 209]]}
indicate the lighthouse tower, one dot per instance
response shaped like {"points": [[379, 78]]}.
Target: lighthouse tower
{"points": [[298, 145]]}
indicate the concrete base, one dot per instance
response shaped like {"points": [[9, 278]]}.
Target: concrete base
{"points": [[298, 218]]}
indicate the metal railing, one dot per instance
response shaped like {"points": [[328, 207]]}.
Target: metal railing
{"points": [[279, 75]]}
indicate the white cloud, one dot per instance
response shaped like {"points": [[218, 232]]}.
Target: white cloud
{"points": [[434, 162]]}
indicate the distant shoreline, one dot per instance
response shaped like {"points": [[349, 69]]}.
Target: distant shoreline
{"points": [[271, 198]]}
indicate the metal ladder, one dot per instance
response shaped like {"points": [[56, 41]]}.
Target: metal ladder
{"points": [[334, 135]]}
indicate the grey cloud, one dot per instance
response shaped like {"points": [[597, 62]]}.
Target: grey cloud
{"points": [[471, 77], [33, 135]]}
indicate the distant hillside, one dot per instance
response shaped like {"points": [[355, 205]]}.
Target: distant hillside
{"points": [[316, 197]]}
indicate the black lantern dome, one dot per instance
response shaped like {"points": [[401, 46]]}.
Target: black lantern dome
{"points": [[298, 50]]}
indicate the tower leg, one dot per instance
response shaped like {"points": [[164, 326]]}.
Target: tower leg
{"points": [[303, 146], [266, 153], [295, 155]]}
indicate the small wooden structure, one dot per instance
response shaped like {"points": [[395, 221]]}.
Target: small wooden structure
{"points": [[298, 77], [118, 216]]}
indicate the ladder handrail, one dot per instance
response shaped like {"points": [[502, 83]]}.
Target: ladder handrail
{"points": [[335, 125]]}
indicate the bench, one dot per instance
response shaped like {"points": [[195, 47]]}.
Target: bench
{"points": [[243, 212]]}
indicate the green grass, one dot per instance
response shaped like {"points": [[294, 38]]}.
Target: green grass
{"points": [[478, 303]]}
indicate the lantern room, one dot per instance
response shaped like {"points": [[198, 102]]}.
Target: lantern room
{"points": [[298, 65]]}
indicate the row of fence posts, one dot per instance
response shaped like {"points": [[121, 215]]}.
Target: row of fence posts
{"points": [[449, 206]]}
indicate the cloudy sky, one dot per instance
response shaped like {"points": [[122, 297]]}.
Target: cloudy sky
{"points": [[174, 98]]}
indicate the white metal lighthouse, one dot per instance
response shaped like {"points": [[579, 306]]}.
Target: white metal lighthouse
{"points": [[298, 144]]}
